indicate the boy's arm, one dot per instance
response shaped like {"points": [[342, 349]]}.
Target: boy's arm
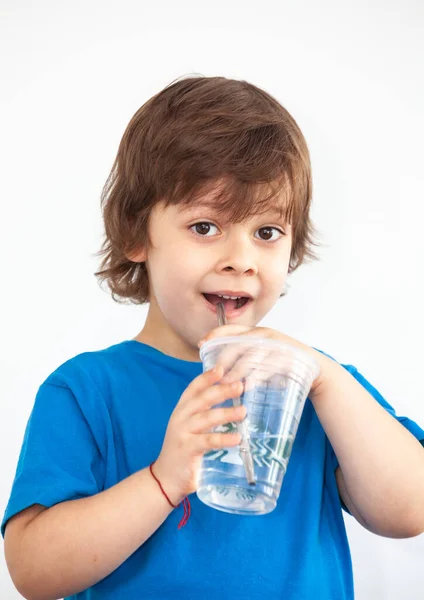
{"points": [[381, 474], [73, 545]]}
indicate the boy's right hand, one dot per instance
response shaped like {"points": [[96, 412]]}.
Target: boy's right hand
{"points": [[188, 435]]}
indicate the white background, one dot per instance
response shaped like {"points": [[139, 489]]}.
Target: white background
{"points": [[351, 73]]}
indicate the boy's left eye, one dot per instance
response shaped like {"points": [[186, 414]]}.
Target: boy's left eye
{"points": [[202, 229], [268, 232]]}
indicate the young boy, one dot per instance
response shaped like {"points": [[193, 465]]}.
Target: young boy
{"points": [[209, 195]]}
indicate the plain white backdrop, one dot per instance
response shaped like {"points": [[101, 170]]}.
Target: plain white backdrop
{"points": [[351, 73]]}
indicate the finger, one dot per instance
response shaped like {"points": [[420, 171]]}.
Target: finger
{"points": [[200, 384], [216, 394], [225, 330], [253, 362], [207, 420], [213, 441], [228, 355]]}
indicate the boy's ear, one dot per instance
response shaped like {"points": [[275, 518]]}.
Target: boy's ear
{"points": [[138, 256]]}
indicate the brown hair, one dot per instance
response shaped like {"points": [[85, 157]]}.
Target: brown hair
{"points": [[203, 134]]}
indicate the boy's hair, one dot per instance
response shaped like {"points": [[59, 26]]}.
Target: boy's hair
{"points": [[198, 136]]}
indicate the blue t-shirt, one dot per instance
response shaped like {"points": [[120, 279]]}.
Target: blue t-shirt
{"points": [[102, 416]]}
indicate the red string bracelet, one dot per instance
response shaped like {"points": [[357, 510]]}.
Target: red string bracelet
{"points": [[186, 501]]}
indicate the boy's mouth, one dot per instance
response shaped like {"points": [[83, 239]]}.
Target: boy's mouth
{"points": [[231, 302]]}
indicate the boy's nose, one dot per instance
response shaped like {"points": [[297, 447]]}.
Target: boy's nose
{"points": [[239, 257]]}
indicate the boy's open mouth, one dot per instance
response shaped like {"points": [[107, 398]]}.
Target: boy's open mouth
{"points": [[230, 302]]}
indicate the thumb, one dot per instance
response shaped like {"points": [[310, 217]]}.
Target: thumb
{"points": [[223, 331]]}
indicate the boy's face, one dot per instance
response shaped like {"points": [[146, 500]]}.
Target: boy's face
{"points": [[196, 252]]}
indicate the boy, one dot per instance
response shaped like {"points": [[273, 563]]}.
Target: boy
{"points": [[209, 196]]}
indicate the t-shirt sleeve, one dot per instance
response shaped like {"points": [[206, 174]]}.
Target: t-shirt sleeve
{"points": [[410, 425], [59, 458]]}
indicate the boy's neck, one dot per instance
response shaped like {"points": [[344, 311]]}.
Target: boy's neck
{"points": [[159, 335]]}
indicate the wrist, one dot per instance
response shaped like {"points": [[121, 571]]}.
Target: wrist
{"points": [[185, 501], [169, 490], [165, 495]]}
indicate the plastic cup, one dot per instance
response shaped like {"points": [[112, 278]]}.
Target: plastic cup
{"points": [[276, 378]]}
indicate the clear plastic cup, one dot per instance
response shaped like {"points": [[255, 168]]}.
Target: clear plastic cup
{"points": [[277, 378]]}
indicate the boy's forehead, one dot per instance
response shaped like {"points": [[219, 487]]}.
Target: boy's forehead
{"points": [[239, 206]]}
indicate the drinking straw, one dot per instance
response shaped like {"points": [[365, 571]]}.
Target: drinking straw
{"points": [[243, 426]]}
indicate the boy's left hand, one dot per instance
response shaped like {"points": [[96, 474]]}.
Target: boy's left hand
{"points": [[232, 358]]}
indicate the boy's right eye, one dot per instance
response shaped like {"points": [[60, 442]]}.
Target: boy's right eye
{"points": [[202, 229]]}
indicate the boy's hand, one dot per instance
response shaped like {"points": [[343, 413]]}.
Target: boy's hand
{"points": [[236, 360], [188, 435]]}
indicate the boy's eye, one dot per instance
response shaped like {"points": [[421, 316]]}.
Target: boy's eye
{"points": [[267, 234], [202, 229]]}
